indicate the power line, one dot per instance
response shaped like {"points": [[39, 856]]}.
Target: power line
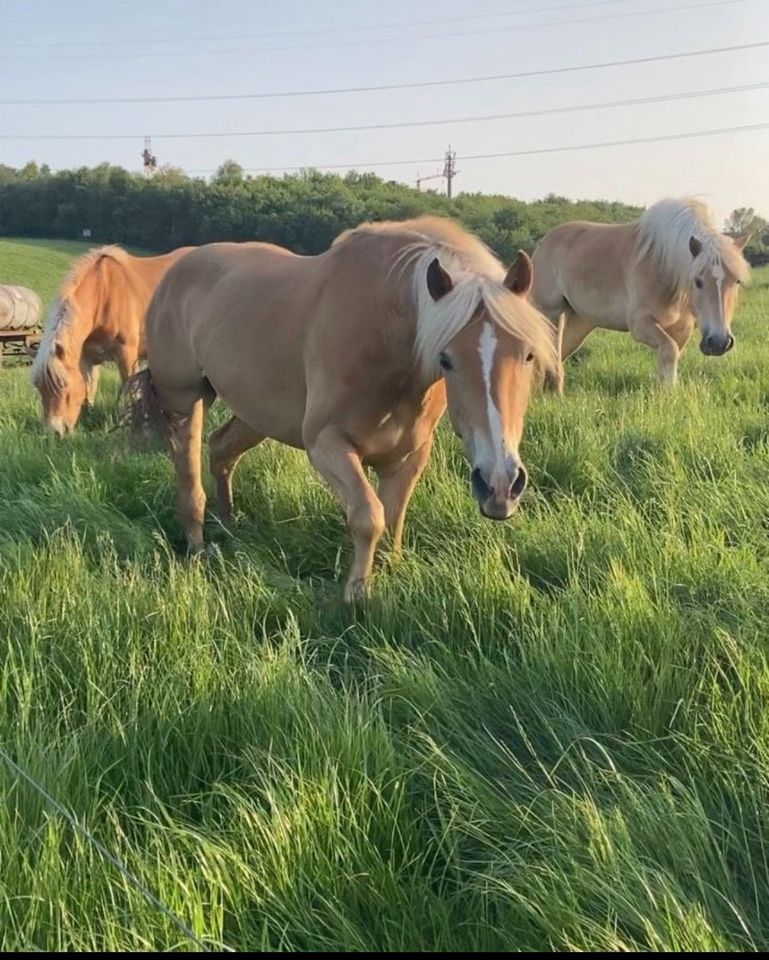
{"points": [[319, 30], [376, 41], [413, 85], [689, 135], [547, 111]]}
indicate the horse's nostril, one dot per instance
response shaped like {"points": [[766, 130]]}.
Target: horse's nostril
{"points": [[729, 343], [481, 489], [519, 484]]}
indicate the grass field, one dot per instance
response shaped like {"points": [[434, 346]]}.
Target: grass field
{"points": [[39, 264], [547, 734]]}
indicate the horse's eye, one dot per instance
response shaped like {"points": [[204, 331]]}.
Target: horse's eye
{"points": [[445, 362], [698, 283], [529, 356]]}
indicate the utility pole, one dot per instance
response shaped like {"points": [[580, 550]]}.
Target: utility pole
{"points": [[149, 160], [450, 169], [448, 173]]}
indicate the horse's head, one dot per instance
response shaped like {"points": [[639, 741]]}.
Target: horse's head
{"points": [[488, 372], [57, 374], [715, 287], [91, 301]]}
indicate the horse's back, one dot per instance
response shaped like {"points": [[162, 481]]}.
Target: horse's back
{"points": [[197, 281], [233, 316], [583, 265]]}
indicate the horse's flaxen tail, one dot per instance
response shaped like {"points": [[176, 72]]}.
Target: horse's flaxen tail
{"points": [[142, 411]]}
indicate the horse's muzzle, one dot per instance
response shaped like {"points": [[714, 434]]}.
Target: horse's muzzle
{"points": [[59, 427], [496, 505], [716, 346]]}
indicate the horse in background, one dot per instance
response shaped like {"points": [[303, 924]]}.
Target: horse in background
{"points": [[352, 355], [654, 277], [97, 316]]}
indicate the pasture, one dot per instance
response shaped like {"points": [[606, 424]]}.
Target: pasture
{"points": [[545, 734]]}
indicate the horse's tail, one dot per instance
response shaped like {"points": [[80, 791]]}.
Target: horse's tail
{"points": [[143, 412]]}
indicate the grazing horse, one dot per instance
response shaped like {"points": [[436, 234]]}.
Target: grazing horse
{"points": [[351, 355], [654, 277], [98, 315]]}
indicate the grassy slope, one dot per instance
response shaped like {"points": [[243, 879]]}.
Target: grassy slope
{"points": [[39, 264], [545, 734]]}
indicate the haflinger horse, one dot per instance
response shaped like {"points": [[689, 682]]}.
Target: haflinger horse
{"points": [[352, 355], [97, 315], [654, 277]]}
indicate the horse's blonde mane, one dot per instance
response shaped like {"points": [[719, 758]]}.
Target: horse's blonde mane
{"points": [[478, 281], [664, 232], [47, 368]]}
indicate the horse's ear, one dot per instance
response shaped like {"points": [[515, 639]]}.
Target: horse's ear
{"points": [[520, 275], [439, 282], [695, 246], [742, 242]]}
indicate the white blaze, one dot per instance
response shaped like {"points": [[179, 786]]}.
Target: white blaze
{"points": [[719, 275], [495, 456]]}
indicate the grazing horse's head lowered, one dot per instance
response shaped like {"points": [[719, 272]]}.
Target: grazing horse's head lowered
{"points": [[98, 315], [488, 367], [57, 374], [92, 303]]}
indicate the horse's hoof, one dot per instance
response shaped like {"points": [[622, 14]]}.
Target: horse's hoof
{"points": [[213, 552], [357, 591]]}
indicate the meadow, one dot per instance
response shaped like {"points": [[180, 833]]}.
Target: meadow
{"points": [[549, 734]]}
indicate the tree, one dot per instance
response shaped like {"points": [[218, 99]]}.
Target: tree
{"points": [[29, 171], [741, 221], [170, 176], [229, 172]]}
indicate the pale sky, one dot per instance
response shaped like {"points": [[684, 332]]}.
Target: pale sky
{"points": [[114, 48]]}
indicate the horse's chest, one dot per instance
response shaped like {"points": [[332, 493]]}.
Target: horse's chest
{"points": [[396, 433]]}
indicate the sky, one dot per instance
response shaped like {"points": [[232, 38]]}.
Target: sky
{"points": [[166, 48]]}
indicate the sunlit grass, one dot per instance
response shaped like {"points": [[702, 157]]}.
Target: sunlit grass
{"points": [[549, 734]]}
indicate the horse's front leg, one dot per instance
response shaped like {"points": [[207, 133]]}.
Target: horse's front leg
{"points": [[340, 466], [645, 329], [396, 485], [90, 373], [127, 360]]}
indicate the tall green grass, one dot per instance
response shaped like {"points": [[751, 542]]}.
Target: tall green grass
{"points": [[547, 734]]}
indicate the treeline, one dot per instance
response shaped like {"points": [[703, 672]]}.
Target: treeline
{"points": [[303, 212]]}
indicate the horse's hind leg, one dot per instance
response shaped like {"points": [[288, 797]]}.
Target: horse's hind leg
{"points": [[554, 378], [186, 439], [572, 332], [226, 446]]}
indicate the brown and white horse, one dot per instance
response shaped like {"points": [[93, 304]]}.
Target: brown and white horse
{"points": [[654, 277], [98, 315], [353, 356]]}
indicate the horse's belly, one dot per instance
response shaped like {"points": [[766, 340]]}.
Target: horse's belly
{"points": [[609, 313], [277, 416]]}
